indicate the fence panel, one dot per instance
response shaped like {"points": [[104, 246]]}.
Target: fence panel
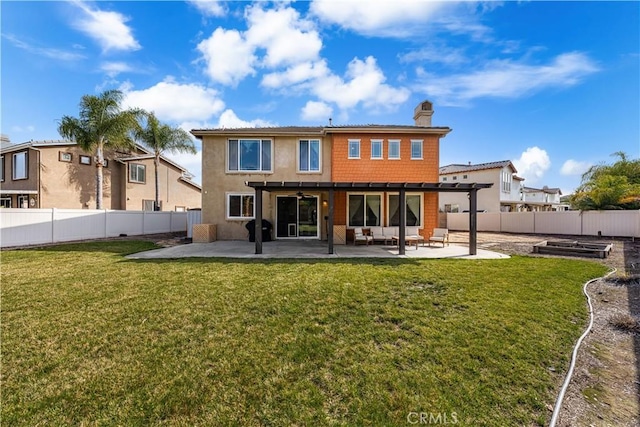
{"points": [[489, 221], [25, 227], [611, 223], [518, 222], [22, 227], [125, 222], [73, 224], [558, 223]]}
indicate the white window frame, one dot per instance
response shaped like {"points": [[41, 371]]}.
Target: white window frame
{"points": [[3, 200], [63, 156], [2, 168], [261, 168], [137, 167], [393, 142], [421, 195], [414, 143], [356, 143], [26, 166], [228, 206], [382, 209], [309, 170], [21, 199], [507, 179], [378, 143]]}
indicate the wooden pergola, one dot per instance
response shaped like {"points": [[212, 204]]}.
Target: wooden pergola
{"points": [[401, 188]]}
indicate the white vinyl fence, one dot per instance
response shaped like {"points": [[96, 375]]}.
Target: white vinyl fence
{"points": [[587, 223], [21, 227]]}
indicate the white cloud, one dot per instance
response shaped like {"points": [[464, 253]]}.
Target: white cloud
{"points": [[574, 167], [47, 52], [109, 29], [532, 164], [228, 56], [21, 129], [229, 119], [286, 37], [435, 54], [176, 102], [296, 74], [209, 7], [112, 69], [379, 18], [316, 111], [364, 84], [507, 79]]}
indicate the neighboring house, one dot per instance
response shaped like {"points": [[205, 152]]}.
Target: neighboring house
{"points": [[542, 199], [331, 155], [508, 194], [503, 196], [58, 174]]}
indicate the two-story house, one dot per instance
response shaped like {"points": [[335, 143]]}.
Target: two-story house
{"points": [[59, 174], [364, 165], [503, 196], [542, 199]]}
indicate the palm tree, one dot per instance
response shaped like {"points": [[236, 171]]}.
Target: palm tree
{"points": [[102, 124], [159, 137]]}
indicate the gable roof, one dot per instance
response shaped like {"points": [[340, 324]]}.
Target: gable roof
{"points": [[457, 168], [321, 130], [545, 189]]}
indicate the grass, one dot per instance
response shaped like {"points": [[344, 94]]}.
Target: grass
{"points": [[90, 338]]}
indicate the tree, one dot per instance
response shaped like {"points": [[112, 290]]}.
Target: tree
{"points": [[159, 138], [615, 186], [102, 124]]}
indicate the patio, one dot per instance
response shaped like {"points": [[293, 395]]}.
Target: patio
{"points": [[309, 249]]}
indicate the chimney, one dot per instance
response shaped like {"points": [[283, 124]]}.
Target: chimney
{"points": [[422, 114]]}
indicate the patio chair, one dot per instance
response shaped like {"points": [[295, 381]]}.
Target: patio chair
{"points": [[414, 233], [360, 237], [440, 235]]}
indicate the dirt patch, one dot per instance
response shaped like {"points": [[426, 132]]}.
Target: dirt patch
{"points": [[605, 387]]}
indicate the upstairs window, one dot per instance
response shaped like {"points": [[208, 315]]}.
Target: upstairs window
{"points": [[249, 155], [506, 181], [1, 168], [394, 149], [376, 148], [20, 170], [354, 148], [309, 155], [137, 173], [416, 149]]}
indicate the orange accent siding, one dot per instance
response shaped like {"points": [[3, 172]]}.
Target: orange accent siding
{"points": [[366, 169]]}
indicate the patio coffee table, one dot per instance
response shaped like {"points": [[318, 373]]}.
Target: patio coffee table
{"points": [[408, 240]]}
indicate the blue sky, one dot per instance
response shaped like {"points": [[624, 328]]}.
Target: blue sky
{"points": [[552, 86]]}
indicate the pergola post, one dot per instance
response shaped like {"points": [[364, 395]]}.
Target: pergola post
{"points": [[330, 222], [403, 221], [258, 219], [473, 221]]}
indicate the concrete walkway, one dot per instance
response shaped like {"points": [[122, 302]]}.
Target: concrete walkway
{"points": [[309, 249]]}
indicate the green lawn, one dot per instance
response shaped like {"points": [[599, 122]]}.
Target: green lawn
{"points": [[90, 338]]}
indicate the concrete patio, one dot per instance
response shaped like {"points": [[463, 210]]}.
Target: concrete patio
{"points": [[310, 249]]}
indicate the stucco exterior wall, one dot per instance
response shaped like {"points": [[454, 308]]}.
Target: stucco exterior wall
{"points": [[488, 198], [217, 182], [172, 191], [72, 185]]}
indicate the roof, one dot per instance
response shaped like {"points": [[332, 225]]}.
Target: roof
{"points": [[457, 168], [544, 189], [321, 130]]}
